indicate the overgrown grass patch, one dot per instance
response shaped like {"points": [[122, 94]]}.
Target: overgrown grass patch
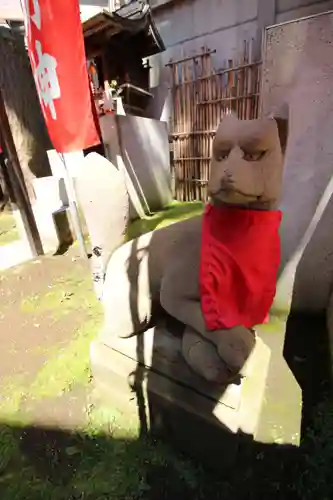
{"points": [[175, 212], [69, 367], [64, 296]]}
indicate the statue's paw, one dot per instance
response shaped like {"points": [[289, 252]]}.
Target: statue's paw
{"points": [[202, 356], [234, 346]]}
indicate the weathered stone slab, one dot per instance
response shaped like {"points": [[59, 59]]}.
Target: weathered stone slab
{"points": [[140, 147], [51, 213], [103, 199], [298, 63], [149, 370], [297, 79], [102, 195]]}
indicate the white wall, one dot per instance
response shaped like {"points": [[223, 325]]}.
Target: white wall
{"points": [[11, 9]]}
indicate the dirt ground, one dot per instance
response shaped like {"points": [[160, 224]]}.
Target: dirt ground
{"points": [[30, 324]]}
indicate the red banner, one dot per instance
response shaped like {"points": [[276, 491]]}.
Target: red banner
{"points": [[56, 50]]}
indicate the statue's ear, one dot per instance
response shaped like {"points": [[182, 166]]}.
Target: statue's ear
{"points": [[228, 115], [281, 116], [283, 128]]}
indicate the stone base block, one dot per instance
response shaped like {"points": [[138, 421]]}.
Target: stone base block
{"points": [[146, 375]]}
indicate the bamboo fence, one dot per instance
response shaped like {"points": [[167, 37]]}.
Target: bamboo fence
{"points": [[200, 97]]}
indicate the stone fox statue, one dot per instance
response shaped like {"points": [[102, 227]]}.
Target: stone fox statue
{"points": [[215, 273]]}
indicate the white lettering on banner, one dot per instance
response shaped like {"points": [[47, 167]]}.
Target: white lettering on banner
{"points": [[36, 15], [47, 78], [45, 68]]}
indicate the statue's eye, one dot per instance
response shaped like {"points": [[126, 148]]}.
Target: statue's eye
{"points": [[221, 155], [253, 155]]}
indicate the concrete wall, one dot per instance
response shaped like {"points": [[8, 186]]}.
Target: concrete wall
{"points": [[89, 8], [297, 77], [287, 10], [140, 148], [188, 25]]}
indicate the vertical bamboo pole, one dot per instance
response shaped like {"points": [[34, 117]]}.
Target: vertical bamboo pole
{"points": [[173, 128], [236, 86], [206, 117], [219, 106], [191, 149], [178, 130], [240, 86], [257, 89], [230, 83], [248, 84], [247, 81], [183, 139], [211, 116], [200, 114], [197, 120]]}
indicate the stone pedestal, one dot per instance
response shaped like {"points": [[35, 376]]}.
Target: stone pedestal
{"points": [[52, 213], [147, 376]]}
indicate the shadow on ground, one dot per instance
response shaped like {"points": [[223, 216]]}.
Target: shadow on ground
{"points": [[307, 352], [53, 464]]}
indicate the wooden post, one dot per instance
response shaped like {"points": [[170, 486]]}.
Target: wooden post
{"points": [[21, 194]]}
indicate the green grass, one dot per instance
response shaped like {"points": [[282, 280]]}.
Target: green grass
{"points": [[65, 296], [8, 230], [107, 458], [176, 212], [69, 367]]}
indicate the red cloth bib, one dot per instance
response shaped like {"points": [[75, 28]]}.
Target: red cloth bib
{"points": [[240, 258]]}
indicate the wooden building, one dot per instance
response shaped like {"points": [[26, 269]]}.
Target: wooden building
{"points": [[116, 44]]}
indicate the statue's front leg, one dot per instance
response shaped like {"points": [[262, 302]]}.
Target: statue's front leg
{"points": [[234, 345], [180, 298]]}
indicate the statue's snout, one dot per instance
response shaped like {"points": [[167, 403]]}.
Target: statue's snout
{"points": [[227, 181]]}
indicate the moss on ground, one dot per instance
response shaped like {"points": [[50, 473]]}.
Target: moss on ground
{"points": [[107, 459], [174, 213], [8, 229], [65, 295]]}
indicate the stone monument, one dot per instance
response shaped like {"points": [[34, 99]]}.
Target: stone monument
{"points": [[169, 347]]}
